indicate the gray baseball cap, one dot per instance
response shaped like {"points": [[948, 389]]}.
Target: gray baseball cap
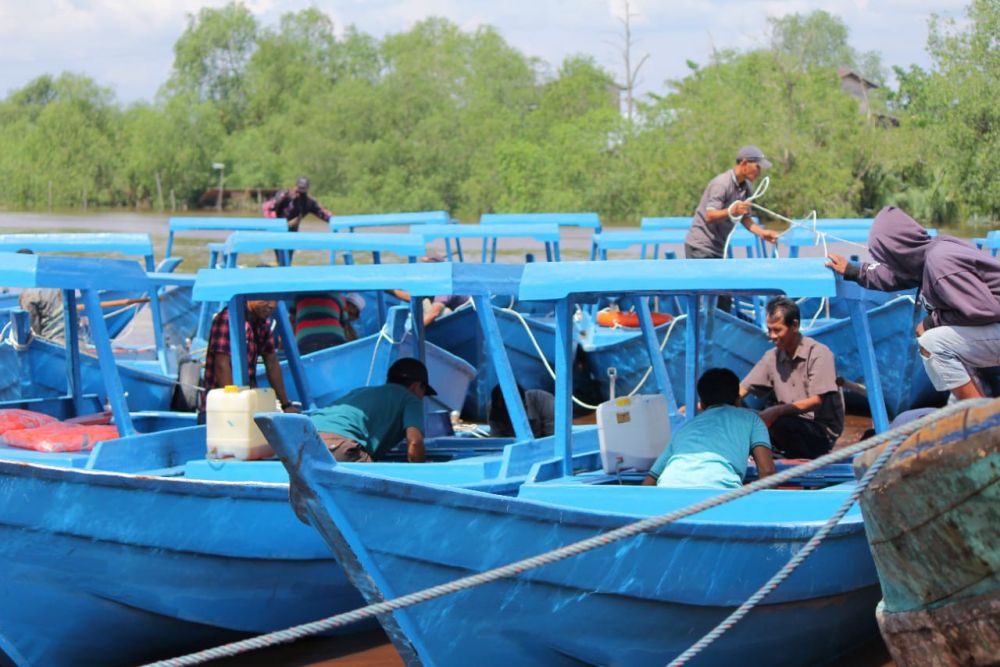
{"points": [[753, 154]]}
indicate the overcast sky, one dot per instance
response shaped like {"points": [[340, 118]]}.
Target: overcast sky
{"points": [[128, 44]]}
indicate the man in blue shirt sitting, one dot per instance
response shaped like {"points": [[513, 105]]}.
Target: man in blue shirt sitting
{"points": [[711, 449]]}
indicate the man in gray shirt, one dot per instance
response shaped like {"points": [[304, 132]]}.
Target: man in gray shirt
{"points": [[806, 413], [726, 196]]}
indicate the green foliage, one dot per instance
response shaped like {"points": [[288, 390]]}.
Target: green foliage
{"points": [[438, 117]]}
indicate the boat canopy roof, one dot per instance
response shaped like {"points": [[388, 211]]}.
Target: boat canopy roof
{"points": [[587, 220], [421, 279], [137, 245], [350, 222], [406, 245], [540, 232], [802, 277], [178, 224], [25, 271]]}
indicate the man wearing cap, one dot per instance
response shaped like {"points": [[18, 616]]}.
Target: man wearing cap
{"points": [[324, 320], [295, 204], [366, 423]]}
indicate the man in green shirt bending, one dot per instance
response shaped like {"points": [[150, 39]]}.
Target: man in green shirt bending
{"points": [[366, 423]]}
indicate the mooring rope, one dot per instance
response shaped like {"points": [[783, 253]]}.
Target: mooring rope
{"points": [[562, 553], [800, 556]]}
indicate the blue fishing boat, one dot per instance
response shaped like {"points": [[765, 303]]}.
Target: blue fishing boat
{"points": [[739, 344], [931, 514], [641, 601], [144, 540]]}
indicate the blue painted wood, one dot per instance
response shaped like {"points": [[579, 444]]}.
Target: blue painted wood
{"points": [[578, 220], [351, 222], [546, 233], [404, 245], [639, 602], [191, 224], [808, 277], [621, 239], [670, 222]]}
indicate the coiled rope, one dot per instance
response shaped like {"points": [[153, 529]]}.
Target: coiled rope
{"points": [[562, 553]]}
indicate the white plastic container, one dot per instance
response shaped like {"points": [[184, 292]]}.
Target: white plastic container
{"points": [[231, 430], [632, 431]]}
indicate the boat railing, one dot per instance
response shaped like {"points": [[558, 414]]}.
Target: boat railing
{"points": [[544, 233], [350, 223]]}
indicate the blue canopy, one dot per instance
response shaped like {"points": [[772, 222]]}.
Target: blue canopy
{"points": [[584, 220], [425, 279], [351, 222], [802, 277], [127, 244], [22, 270], [406, 245]]}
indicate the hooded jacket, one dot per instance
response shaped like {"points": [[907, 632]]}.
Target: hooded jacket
{"points": [[958, 284]]}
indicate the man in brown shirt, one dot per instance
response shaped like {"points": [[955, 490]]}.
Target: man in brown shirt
{"points": [[806, 412]]}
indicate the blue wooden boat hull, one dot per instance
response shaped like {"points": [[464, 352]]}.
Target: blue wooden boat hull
{"points": [[634, 603], [737, 344], [106, 568], [40, 372]]}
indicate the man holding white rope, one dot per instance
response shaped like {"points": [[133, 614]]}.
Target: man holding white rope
{"points": [[722, 204]]}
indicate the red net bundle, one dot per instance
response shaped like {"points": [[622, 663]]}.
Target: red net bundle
{"points": [[60, 437], [14, 419]]}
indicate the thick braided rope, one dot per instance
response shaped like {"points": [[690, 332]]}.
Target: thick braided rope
{"points": [[519, 567], [800, 556]]}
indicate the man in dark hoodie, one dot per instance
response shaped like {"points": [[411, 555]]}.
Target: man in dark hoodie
{"points": [[958, 285]]}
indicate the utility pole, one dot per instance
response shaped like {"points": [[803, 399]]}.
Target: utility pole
{"points": [[221, 167]]}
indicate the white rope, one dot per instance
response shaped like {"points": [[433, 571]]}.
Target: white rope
{"points": [[518, 568], [8, 336], [663, 345], [382, 334]]}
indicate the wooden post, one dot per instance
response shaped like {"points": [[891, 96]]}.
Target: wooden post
{"points": [[159, 191]]}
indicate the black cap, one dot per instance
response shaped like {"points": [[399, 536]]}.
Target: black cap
{"points": [[302, 184], [408, 370]]}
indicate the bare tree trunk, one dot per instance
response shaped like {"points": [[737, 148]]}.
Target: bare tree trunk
{"points": [[85, 199], [50, 196], [159, 191], [631, 73], [173, 201]]}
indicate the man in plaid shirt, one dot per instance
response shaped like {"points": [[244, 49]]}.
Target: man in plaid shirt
{"points": [[218, 359]]}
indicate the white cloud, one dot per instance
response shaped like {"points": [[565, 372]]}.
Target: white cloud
{"points": [[127, 44]]}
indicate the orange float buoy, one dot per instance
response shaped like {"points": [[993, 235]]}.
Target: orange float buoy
{"points": [[630, 320]]}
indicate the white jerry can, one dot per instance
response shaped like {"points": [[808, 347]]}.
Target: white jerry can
{"points": [[230, 428], [632, 431]]}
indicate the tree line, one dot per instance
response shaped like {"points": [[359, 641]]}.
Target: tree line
{"points": [[441, 118]]}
